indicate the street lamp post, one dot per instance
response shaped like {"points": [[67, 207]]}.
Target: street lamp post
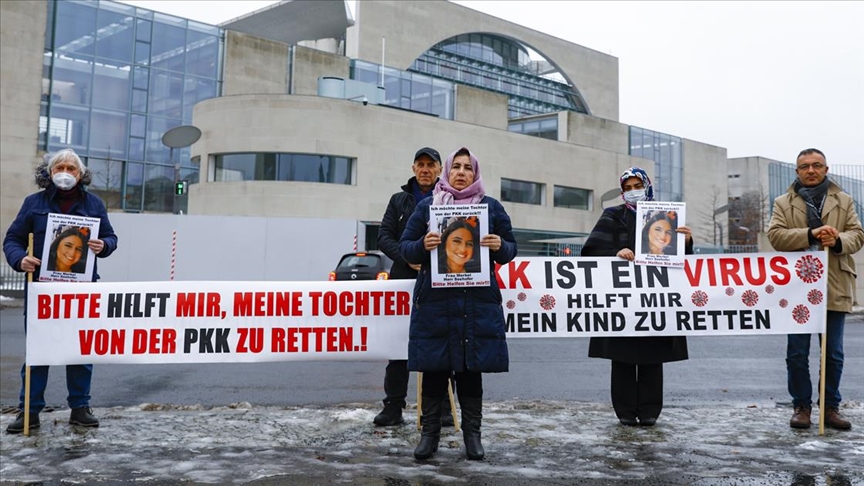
{"points": [[179, 137]]}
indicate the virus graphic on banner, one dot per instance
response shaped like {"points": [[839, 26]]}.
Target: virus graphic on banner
{"points": [[809, 269], [784, 303], [730, 291], [749, 298], [511, 304], [814, 297], [521, 296], [547, 302], [699, 298], [769, 289], [801, 314]]}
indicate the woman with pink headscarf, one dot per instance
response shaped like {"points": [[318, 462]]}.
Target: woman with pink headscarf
{"points": [[456, 330]]}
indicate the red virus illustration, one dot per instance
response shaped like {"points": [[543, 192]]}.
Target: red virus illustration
{"points": [[521, 296], [801, 314], [784, 303], [511, 304], [769, 289], [730, 291], [809, 269], [749, 298], [699, 298], [814, 297], [547, 302]]}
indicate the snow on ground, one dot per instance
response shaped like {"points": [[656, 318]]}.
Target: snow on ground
{"points": [[527, 442]]}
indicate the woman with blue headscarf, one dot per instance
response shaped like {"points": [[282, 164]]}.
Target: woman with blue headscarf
{"points": [[637, 362]]}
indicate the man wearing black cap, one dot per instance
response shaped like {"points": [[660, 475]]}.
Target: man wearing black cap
{"points": [[427, 168]]}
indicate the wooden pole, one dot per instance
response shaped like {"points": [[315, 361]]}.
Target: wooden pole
{"points": [[822, 361], [452, 404], [419, 399], [822, 382], [27, 366]]}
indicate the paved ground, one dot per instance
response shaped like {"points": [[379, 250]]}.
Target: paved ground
{"points": [[527, 442], [730, 428]]}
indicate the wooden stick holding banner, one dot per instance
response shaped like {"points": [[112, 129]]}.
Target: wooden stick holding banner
{"points": [[27, 366], [419, 399], [452, 403], [822, 360], [420, 402]]}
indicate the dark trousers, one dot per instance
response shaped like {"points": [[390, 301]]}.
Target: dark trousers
{"points": [[396, 382], [798, 367], [77, 384], [469, 383], [637, 390]]}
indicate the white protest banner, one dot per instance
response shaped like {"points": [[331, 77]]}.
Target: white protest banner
{"points": [[724, 294], [217, 322], [232, 322]]}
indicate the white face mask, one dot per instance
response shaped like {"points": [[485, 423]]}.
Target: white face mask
{"points": [[64, 180], [634, 196]]}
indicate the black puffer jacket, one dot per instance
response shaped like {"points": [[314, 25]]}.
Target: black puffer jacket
{"points": [[396, 216]]}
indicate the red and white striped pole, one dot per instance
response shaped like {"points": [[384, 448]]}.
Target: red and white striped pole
{"points": [[355, 242], [173, 253]]}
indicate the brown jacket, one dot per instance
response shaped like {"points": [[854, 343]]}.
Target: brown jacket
{"points": [[788, 232]]}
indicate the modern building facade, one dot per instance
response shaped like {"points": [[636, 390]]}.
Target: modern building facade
{"points": [[541, 113]]}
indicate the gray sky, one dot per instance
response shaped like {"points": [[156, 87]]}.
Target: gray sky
{"points": [[758, 78]]}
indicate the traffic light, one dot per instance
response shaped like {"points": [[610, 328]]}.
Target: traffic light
{"points": [[180, 188]]}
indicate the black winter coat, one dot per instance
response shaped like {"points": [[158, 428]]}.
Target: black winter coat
{"points": [[457, 328], [614, 231], [393, 223]]}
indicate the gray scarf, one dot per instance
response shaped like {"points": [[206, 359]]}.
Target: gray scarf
{"points": [[814, 198]]}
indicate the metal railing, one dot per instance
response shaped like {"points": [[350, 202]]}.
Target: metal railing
{"points": [[11, 282]]}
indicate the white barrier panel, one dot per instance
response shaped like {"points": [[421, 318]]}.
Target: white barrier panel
{"points": [[234, 322]]}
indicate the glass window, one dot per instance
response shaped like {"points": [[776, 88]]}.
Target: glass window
{"points": [[283, 167], [573, 198], [107, 180], [168, 47], [43, 127], [421, 93], [202, 53], [156, 127], [159, 188], [136, 148], [142, 32], [111, 87], [142, 53], [68, 128], [73, 80], [166, 93], [521, 191], [234, 167], [114, 34], [139, 100], [46, 77], [134, 187], [140, 79], [74, 31], [108, 134], [138, 126]]}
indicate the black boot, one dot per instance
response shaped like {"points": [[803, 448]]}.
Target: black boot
{"points": [[431, 433], [391, 415], [446, 413], [472, 415]]}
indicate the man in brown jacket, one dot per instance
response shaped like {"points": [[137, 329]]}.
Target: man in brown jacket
{"points": [[815, 213]]}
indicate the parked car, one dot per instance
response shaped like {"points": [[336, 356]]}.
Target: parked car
{"points": [[363, 265]]}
